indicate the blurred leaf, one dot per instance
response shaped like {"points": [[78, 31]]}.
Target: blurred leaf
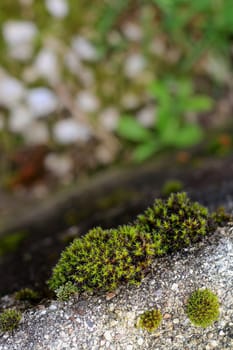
{"points": [[159, 90], [132, 130], [146, 150], [169, 134], [199, 103], [188, 136]]}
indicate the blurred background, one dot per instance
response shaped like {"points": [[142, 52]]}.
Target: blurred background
{"points": [[86, 85]]}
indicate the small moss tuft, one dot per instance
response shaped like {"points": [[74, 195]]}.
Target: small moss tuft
{"points": [[172, 186], [103, 259], [27, 294], [65, 291], [203, 308], [150, 320], [9, 320], [220, 217]]}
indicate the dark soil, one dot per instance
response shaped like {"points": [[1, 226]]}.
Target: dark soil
{"points": [[109, 200]]}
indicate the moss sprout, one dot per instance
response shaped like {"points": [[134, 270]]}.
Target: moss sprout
{"points": [[65, 291], [203, 308], [9, 320], [27, 294], [150, 320], [171, 186], [220, 217]]}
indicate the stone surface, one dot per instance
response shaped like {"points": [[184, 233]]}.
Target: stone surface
{"points": [[94, 322]]}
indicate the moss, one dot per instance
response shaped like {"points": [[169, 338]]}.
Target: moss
{"points": [[150, 320], [11, 242], [203, 308], [9, 320], [220, 217], [172, 186], [103, 259], [175, 223], [65, 291], [27, 294]]}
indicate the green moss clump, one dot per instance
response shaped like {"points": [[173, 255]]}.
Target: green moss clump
{"points": [[9, 320], [203, 308], [27, 294], [150, 320], [103, 259], [175, 223], [172, 186], [65, 291]]}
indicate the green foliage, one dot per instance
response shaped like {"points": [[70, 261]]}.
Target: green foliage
{"points": [[65, 291], [27, 294], [197, 26], [103, 259], [175, 99], [150, 320], [203, 308], [171, 186], [221, 217], [9, 320], [11, 242], [175, 223]]}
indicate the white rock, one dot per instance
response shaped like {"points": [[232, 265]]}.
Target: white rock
{"points": [[109, 118], [19, 36], [68, 131], [46, 65], [140, 341], [57, 8], [134, 65], [76, 67], [60, 165], [218, 68], [72, 62], [84, 49], [87, 102], [132, 31], [108, 335], [20, 117], [19, 32], [158, 47], [129, 347], [36, 133], [11, 91], [42, 101], [147, 116], [21, 52]]}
